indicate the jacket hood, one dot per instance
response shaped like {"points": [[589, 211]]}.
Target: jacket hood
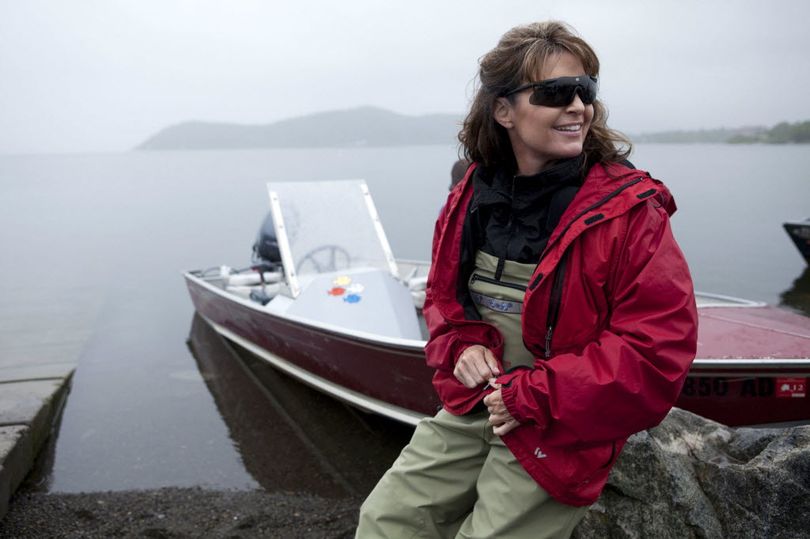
{"points": [[608, 191], [618, 174]]}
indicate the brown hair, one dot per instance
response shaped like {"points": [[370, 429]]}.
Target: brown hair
{"points": [[519, 57]]}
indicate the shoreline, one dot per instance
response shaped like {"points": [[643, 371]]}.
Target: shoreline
{"points": [[179, 513]]}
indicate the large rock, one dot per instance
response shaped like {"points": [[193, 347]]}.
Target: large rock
{"points": [[691, 477]]}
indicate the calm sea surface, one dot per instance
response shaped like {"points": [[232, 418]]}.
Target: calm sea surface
{"points": [[97, 243]]}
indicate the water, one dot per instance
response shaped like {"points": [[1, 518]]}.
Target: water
{"points": [[93, 247]]}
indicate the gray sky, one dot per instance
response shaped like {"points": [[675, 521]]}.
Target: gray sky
{"points": [[102, 75]]}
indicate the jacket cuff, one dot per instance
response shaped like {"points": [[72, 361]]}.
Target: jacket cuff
{"points": [[509, 394], [510, 401]]}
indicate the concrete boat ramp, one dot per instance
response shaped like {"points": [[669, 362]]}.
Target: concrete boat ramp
{"points": [[39, 350], [31, 400]]}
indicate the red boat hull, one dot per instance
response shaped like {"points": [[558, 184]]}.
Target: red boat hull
{"points": [[390, 373], [734, 388]]}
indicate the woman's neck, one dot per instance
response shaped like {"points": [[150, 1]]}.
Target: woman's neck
{"points": [[530, 167]]}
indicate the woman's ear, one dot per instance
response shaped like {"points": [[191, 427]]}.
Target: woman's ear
{"points": [[502, 112]]}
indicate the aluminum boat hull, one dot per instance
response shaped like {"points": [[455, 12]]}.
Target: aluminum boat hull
{"points": [[752, 367]]}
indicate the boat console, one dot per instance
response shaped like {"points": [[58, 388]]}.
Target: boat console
{"points": [[336, 265]]}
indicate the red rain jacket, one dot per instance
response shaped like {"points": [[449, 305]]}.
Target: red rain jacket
{"points": [[609, 315]]}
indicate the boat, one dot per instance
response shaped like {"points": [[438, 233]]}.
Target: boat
{"points": [[329, 305], [799, 232]]}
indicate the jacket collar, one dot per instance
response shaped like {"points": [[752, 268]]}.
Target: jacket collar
{"points": [[608, 191], [492, 187]]}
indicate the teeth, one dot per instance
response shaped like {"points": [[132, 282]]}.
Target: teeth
{"points": [[568, 128]]}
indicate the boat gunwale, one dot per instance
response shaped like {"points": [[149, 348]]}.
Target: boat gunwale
{"points": [[371, 338], [731, 364], [731, 301]]}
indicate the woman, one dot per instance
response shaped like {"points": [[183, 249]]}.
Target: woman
{"points": [[561, 311]]}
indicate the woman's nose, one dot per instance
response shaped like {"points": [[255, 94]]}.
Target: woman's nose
{"points": [[576, 104]]}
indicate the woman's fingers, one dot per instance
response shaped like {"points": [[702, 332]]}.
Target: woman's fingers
{"points": [[475, 357], [475, 366], [498, 414], [492, 363], [500, 430], [482, 367], [466, 376], [495, 400]]}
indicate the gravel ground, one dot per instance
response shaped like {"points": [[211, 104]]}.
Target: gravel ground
{"points": [[179, 513]]}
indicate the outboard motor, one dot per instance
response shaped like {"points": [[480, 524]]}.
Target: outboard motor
{"points": [[266, 256], [265, 248]]}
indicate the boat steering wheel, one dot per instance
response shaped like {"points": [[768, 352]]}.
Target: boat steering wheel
{"points": [[325, 258]]}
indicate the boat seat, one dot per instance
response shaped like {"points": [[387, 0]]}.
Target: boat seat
{"points": [[251, 278], [248, 284], [417, 283], [417, 287], [270, 290]]}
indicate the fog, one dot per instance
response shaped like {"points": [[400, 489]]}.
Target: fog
{"points": [[103, 75]]}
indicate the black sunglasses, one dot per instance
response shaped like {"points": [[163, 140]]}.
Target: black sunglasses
{"points": [[560, 91]]}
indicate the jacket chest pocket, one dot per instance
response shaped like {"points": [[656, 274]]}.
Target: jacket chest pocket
{"points": [[583, 310], [502, 297]]}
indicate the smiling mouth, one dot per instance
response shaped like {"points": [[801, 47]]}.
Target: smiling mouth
{"points": [[569, 128]]}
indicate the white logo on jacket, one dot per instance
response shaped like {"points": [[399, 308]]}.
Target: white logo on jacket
{"points": [[539, 453]]}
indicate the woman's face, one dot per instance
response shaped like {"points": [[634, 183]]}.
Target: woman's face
{"points": [[540, 134]]}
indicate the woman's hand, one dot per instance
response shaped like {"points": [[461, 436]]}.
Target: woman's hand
{"points": [[499, 417], [475, 366]]}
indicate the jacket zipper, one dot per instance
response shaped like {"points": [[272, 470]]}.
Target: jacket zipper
{"points": [[512, 221], [593, 206], [555, 301], [559, 277], [601, 201], [477, 277]]}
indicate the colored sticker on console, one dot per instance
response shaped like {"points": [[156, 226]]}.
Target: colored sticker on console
{"points": [[356, 288]]}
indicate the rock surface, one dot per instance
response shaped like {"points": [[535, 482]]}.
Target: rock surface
{"points": [[691, 477]]}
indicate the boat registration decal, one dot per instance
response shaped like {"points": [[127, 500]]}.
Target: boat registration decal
{"points": [[746, 387], [791, 387]]}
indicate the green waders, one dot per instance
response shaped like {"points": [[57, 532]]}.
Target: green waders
{"points": [[456, 478]]}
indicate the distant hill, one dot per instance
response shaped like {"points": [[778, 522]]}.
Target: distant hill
{"points": [[782, 133], [374, 127], [701, 136], [364, 126]]}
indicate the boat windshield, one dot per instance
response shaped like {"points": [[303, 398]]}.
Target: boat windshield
{"points": [[327, 226]]}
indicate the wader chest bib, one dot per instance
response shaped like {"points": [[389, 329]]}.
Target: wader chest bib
{"points": [[500, 302]]}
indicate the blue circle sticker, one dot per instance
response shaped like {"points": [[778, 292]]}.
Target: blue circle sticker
{"points": [[352, 298]]}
